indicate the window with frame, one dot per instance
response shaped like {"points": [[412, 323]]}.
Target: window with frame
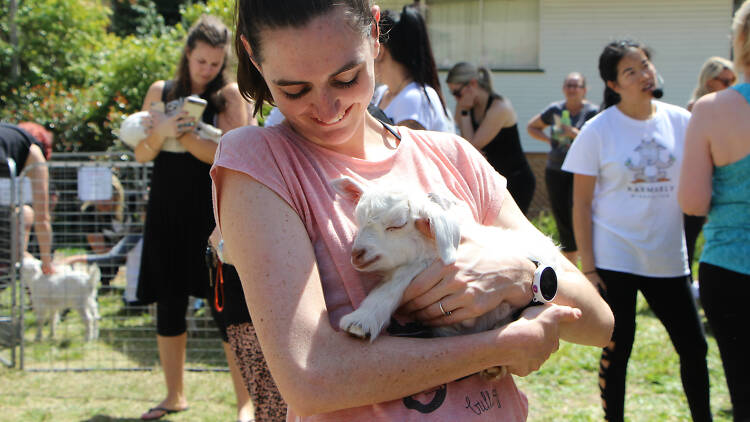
{"points": [[498, 34]]}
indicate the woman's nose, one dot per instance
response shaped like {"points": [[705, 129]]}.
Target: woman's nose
{"points": [[328, 106]]}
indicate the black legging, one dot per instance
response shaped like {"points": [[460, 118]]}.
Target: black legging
{"points": [[722, 292], [170, 316], [672, 302]]}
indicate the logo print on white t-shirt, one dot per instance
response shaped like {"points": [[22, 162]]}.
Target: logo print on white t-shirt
{"points": [[652, 162]]}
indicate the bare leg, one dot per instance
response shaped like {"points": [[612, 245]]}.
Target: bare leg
{"points": [[172, 356], [244, 405]]}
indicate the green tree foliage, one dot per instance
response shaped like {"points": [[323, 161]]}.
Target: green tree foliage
{"points": [[78, 76]]}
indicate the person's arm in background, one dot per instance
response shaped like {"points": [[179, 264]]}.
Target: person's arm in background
{"points": [[499, 115], [233, 116], [536, 127], [39, 175], [694, 193], [583, 196]]}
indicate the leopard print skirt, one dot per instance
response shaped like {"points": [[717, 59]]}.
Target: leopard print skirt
{"points": [[267, 401]]}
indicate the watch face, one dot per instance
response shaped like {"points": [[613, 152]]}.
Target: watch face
{"points": [[548, 283]]}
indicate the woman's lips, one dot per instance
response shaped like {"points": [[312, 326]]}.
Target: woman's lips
{"points": [[337, 119]]}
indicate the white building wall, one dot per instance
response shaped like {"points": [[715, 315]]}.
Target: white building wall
{"points": [[681, 33]]}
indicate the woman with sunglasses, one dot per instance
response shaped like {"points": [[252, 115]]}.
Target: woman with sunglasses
{"points": [[562, 134], [409, 93], [716, 74], [628, 223], [488, 121]]}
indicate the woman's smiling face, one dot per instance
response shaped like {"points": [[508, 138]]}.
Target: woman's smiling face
{"points": [[321, 77]]}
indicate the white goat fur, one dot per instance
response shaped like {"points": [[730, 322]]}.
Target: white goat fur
{"points": [[388, 241], [67, 288]]}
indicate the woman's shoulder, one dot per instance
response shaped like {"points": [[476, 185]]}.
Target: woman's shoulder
{"points": [[673, 110]]}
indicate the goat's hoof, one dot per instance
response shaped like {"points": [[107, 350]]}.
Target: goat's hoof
{"points": [[494, 373], [356, 330]]}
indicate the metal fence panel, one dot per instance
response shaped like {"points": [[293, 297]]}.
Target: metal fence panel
{"points": [[97, 205]]}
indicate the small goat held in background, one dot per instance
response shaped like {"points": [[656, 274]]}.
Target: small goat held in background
{"points": [[67, 288], [388, 241]]}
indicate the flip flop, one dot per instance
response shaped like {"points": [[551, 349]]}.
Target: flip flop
{"points": [[164, 412]]}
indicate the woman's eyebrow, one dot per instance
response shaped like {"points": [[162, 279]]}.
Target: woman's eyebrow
{"points": [[286, 82]]}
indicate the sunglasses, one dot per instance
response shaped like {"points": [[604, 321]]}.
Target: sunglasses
{"points": [[457, 92], [726, 82], [574, 86]]}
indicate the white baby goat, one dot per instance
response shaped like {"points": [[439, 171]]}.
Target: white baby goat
{"points": [[389, 242], [67, 288]]}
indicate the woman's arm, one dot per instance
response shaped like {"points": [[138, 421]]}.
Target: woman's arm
{"points": [[694, 193], [160, 127], [536, 127], [583, 197], [39, 175], [499, 115], [278, 270], [233, 116], [595, 326]]}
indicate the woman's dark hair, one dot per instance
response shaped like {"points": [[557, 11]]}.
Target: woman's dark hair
{"points": [[405, 36], [253, 16], [212, 31], [608, 61]]}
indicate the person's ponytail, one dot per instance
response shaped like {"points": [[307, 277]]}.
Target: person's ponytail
{"points": [[610, 98]]}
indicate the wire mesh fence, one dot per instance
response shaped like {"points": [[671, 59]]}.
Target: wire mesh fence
{"points": [[97, 205]]}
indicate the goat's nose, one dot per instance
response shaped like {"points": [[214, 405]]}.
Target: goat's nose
{"points": [[358, 254]]}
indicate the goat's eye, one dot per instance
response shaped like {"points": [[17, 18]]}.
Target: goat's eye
{"points": [[392, 228]]}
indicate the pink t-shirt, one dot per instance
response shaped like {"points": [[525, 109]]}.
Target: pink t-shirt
{"points": [[300, 173]]}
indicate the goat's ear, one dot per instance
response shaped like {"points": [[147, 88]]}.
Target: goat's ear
{"points": [[348, 188], [443, 229]]}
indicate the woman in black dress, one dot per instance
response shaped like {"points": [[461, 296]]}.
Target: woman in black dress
{"points": [[179, 217], [488, 121]]}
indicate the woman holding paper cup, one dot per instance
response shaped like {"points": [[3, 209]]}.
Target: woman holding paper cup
{"points": [[179, 216]]}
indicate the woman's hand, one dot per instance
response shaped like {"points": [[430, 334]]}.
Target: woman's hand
{"points": [[171, 127], [477, 283], [596, 281], [537, 335]]}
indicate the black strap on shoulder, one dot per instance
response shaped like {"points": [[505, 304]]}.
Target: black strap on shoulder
{"points": [[391, 129]]}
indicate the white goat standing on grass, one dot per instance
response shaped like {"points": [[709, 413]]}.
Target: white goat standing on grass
{"points": [[388, 241], [67, 288]]}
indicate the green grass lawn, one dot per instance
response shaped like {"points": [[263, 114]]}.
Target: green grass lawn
{"points": [[565, 388]]}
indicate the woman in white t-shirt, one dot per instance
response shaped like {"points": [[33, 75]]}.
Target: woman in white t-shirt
{"points": [[409, 93], [628, 223]]}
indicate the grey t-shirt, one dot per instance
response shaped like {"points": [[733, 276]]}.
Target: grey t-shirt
{"points": [[560, 143]]}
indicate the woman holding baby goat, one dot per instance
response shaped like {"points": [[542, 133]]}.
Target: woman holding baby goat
{"points": [[315, 61], [178, 217]]}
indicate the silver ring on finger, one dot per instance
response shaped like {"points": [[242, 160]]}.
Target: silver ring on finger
{"points": [[445, 313]]}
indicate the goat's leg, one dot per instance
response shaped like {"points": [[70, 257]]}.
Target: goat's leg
{"points": [[87, 320], [40, 318], [55, 318], [375, 311]]}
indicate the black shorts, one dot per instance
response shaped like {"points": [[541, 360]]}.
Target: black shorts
{"points": [[227, 299]]}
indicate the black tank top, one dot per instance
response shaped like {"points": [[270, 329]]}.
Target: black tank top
{"points": [[15, 143], [504, 151]]}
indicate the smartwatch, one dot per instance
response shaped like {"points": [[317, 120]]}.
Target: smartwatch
{"points": [[544, 285]]}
